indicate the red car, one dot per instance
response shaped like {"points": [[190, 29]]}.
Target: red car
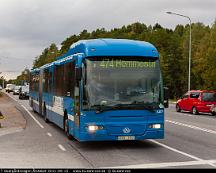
{"points": [[197, 101], [213, 109]]}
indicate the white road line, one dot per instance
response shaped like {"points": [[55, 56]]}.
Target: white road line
{"points": [[188, 115], [191, 126], [49, 134], [33, 117], [181, 152], [167, 164], [61, 147], [175, 150], [28, 112], [11, 97]]}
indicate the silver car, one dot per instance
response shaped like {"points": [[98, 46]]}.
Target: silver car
{"points": [[16, 90]]}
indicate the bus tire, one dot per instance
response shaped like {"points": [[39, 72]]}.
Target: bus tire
{"points": [[66, 128], [45, 115]]}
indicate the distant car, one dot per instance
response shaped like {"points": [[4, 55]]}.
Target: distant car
{"points": [[197, 101], [24, 92], [16, 90], [1, 87], [9, 87]]}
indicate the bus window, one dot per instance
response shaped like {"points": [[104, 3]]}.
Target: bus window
{"points": [[34, 82], [59, 80], [69, 79], [45, 80]]}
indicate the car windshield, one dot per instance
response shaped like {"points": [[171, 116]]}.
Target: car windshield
{"points": [[209, 97], [17, 87], [25, 89], [122, 81]]}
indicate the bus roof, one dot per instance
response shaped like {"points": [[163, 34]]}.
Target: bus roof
{"points": [[107, 47], [112, 47]]}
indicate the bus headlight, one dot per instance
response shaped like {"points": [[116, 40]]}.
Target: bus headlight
{"points": [[93, 128], [155, 126]]}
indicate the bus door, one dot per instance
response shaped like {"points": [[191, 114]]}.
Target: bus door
{"points": [[77, 105], [40, 91]]}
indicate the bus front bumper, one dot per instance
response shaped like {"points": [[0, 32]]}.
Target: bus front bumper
{"points": [[103, 136]]}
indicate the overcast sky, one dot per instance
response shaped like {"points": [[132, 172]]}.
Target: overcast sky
{"points": [[29, 26]]}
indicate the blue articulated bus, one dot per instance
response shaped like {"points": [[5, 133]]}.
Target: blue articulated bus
{"points": [[102, 89]]}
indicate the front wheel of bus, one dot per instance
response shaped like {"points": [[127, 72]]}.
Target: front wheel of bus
{"points": [[66, 128]]}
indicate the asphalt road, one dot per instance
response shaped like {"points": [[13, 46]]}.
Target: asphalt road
{"points": [[190, 142]]}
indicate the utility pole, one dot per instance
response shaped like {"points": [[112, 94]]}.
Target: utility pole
{"points": [[189, 68]]}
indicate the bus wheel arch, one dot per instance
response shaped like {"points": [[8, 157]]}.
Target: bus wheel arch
{"points": [[45, 113], [66, 125]]}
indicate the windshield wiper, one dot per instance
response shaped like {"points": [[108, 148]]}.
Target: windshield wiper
{"points": [[102, 108], [147, 106]]}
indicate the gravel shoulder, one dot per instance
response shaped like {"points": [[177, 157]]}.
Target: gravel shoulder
{"points": [[13, 120]]}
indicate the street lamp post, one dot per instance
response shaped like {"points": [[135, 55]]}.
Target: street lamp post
{"points": [[2, 77], [189, 68]]}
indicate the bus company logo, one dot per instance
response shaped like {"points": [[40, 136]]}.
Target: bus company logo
{"points": [[126, 130]]}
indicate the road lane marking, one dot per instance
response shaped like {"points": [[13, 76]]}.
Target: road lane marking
{"points": [[181, 152], [33, 117], [11, 97], [191, 126], [10, 130], [167, 164], [61, 147], [27, 112], [49, 134]]}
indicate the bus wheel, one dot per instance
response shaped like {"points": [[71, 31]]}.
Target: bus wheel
{"points": [[66, 128], [45, 115]]}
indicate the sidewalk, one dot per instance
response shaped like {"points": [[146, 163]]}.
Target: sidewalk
{"points": [[13, 120]]}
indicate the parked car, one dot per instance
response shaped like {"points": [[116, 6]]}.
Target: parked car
{"points": [[9, 87], [213, 109], [24, 92], [16, 90], [197, 101]]}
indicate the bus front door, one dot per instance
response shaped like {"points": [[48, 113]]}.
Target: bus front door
{"points": [[40, 92], [77, 107]]}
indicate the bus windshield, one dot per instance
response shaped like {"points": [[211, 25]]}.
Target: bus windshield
{"points": [[131, 81]]}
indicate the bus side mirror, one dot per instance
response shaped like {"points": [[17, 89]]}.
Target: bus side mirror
{"points": [[78, 73], [166, 97]]}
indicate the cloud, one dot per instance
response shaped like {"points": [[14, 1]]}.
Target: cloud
{"points": [[29, 26]]}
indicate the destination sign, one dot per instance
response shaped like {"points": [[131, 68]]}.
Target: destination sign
{"points": [[114, 63]]}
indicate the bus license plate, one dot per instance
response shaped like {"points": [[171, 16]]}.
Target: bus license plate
{"points": [[120, 138]]}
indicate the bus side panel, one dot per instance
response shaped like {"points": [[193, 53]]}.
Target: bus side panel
{"points": [[56, 116], [34, 99]]}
